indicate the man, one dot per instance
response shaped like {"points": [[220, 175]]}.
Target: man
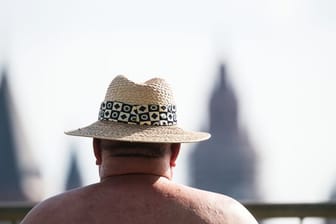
{"points": [[136, 142]]}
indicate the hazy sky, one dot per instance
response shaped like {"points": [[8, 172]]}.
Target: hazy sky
{"points": [[280, 56]]}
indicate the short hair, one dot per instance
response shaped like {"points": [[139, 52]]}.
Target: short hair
{"points": [[134, 149]]}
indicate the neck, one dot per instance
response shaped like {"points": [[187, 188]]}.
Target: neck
{"points": [[134, 167], [137, 178]]}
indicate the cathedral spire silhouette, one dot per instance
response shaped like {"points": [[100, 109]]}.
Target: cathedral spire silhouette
{"points": [[10, 177], [74, 179], [223, 108], [226, 162]]}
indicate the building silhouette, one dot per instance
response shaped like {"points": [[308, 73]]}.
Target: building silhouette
{"points": [[227, 162], [74, 179], [20, 179], [10, 172]]}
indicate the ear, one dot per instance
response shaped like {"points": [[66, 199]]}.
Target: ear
{"points": [[97, 151], [175, 149]]}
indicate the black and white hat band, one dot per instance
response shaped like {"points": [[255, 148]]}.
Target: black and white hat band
{"points": [[151, 114]]}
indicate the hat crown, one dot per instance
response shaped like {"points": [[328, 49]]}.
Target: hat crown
{"points": [[154, 91]]}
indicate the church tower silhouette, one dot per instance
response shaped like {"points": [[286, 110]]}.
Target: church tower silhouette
{"points": [[74, 179], [226, 163], [10, 174]]}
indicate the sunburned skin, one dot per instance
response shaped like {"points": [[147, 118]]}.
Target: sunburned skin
{"points": [[140, 198]]}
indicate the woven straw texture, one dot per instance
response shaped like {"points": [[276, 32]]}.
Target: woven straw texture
{"points": [[154, 91]]}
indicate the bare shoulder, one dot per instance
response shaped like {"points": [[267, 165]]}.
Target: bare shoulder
{"points": [[219, 207], [56, 209], [233, 210]]}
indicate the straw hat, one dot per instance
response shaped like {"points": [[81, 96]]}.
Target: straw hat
{"points": [[139, 113]]}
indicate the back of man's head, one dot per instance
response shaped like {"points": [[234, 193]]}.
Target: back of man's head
{"points": [[134, 149]]}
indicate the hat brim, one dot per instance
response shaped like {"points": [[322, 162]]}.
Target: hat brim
{"points": [[139, 133]]}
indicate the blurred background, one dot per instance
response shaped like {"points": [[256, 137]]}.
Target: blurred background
{"points": [[258, 75]]}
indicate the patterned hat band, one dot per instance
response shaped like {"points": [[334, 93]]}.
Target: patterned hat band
{"points": [[151, 114]]}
